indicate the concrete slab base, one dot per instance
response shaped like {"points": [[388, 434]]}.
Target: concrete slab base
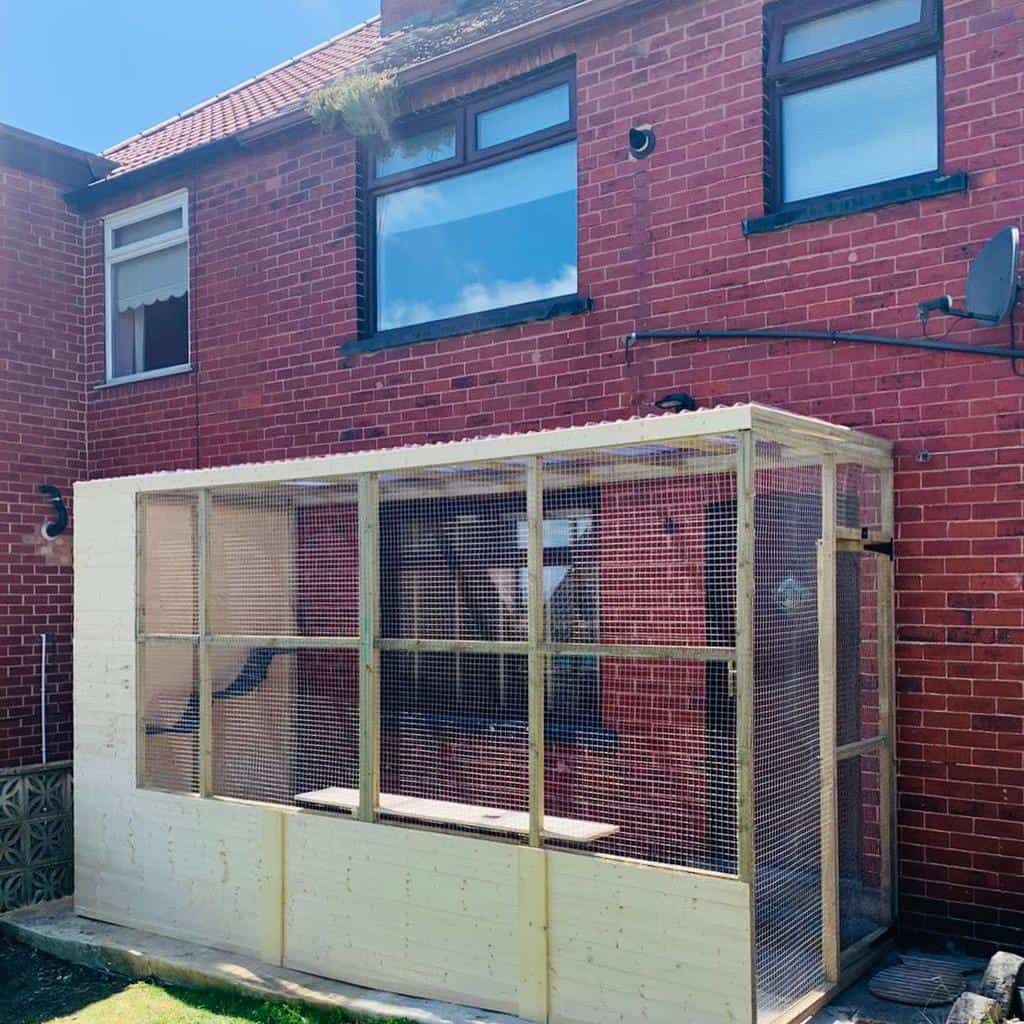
{"points": [[55, 928]]}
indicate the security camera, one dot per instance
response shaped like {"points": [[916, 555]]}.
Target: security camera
{"points": [[642, 141]]}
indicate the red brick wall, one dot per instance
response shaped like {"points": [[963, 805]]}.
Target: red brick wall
{"points": [[42, 440], [274, 284]]}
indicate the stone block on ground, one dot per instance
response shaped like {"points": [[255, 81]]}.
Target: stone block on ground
{"points": [[972, 1008], [1001, 978]]}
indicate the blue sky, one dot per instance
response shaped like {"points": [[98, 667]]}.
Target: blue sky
{"points": [[90, 74]]}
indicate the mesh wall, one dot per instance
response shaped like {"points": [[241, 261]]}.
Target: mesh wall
{"points": [[639, 550], [283, 560], [788, 910], [169, 716], [168, 600], [285, 724], [861, 905], [168, 756], [858, 496], [453, 558], [857, 693]]}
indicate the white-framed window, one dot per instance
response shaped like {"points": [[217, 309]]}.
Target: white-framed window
{"points": [[147, 282]]}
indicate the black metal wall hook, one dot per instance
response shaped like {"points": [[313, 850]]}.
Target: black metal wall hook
{"points": [[56, 527]]}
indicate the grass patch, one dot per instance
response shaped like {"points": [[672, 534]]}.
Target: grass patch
{"points": [[148, 1003], [39, 989]]}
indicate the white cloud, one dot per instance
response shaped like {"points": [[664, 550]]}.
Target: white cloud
{"points": [[477, 297]]}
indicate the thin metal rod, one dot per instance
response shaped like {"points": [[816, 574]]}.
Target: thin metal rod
{"points": [[42, 694], [833, 336]]}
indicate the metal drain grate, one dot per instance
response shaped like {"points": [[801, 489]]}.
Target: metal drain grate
{"points": [[920, 981]]}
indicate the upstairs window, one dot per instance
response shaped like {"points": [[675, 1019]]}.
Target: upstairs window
{"points": [[853, 96], [474, 210], [147, 289]]}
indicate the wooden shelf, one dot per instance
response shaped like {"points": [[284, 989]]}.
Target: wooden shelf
{"points": [[446, 812]]}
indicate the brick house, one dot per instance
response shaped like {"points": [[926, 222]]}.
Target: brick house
{"points": [[232, 286]]}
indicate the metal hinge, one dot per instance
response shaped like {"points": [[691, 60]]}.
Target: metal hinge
{"points": [[882, 548]]}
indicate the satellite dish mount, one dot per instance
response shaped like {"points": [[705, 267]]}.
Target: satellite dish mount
{"points": [[993, 290], [993, 284]]}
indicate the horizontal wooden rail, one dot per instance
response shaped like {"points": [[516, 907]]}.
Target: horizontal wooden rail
{"points": [[859, 747], [654, 652], [286, 643], [425, 645]]}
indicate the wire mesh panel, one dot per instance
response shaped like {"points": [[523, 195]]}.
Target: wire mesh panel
{"points": [[285, 724], [650, 776], [169, 716], [639, 552], [858, 496], [168, 599], [642, 522], [788, 894], [283, 560], [453, 694], [861, 904], [857, 694]]}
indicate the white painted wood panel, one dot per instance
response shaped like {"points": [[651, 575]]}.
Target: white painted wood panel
{"points": [[635, 943], [419, 912]]}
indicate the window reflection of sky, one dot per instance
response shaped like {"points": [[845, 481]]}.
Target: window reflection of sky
{"points": [[483, 240], [875, 127]]}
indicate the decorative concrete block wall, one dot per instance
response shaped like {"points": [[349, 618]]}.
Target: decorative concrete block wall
{"points": [[35, 834]]}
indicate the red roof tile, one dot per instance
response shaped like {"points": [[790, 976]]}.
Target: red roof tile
{"points": [[286, 85], [252, 101]]}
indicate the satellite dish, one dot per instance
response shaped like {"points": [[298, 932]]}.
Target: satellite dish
{"points": [[992, 282]]}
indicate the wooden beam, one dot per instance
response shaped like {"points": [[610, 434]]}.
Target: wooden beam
{"points": [[140, 646], [369, 650], [203, 626], [746, 488], [827, 719], [886, 704], [864, 945], [855, 749], [651, 652], [286, 643], [745, 493], [424, 645], [535, 637], [532, 932]]}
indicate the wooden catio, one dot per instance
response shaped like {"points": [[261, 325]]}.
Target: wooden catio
{"points": [[585, 725]]}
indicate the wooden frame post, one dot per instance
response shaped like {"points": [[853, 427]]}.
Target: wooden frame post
{"points": [[203, 629], [535, 639], [140, 644], [886, 703], [745, 527], [827, 720], [369, 647], [746, 491]]}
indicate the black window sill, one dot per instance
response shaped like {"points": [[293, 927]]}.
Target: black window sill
{"points": [[543, 309], [904, 190]]}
